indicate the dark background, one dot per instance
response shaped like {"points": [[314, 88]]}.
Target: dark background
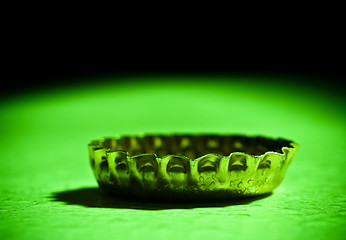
{"points": [[38, 66], [43, 50]]}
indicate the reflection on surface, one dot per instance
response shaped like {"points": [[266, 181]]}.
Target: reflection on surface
{"points": [[94, 197]]}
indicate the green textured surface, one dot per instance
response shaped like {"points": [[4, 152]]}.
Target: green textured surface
{"points": [[47, 190]]}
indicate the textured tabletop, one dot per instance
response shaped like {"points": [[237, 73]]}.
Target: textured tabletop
{"points": [[47, 190]]}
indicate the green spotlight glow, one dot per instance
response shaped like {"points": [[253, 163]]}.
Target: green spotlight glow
{"points": [[43, 146]]}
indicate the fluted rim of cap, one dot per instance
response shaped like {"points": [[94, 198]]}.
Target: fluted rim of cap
{"points": [[289, 145], [252, 174]]}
